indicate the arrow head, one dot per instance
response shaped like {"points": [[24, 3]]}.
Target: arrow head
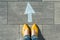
{"points": [[29, 9]]}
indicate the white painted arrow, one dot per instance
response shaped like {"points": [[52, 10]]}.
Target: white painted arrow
{"points": [[29, 10]]}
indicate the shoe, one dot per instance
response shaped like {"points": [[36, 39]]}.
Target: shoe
{"points": [[34, 30], [25, 30]]}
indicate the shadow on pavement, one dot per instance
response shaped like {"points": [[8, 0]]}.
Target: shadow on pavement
{"points": [[40, 36]]}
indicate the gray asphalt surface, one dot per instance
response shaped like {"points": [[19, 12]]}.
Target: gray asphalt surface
{"points": [[47, 17]]}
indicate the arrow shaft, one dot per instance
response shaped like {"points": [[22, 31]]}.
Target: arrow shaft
{"points": [[30, 17]]}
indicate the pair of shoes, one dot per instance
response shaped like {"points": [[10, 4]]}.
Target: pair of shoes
{"points": [[31, 32]]}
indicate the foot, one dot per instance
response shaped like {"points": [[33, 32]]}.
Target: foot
{"points": [[25, 30], [34, 30]]}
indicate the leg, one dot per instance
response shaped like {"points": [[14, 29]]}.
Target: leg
{"points": [[27, 37], [34, 38]]}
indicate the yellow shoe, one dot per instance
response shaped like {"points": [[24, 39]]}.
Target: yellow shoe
{"points": [[34, 30], [25, 30]]}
